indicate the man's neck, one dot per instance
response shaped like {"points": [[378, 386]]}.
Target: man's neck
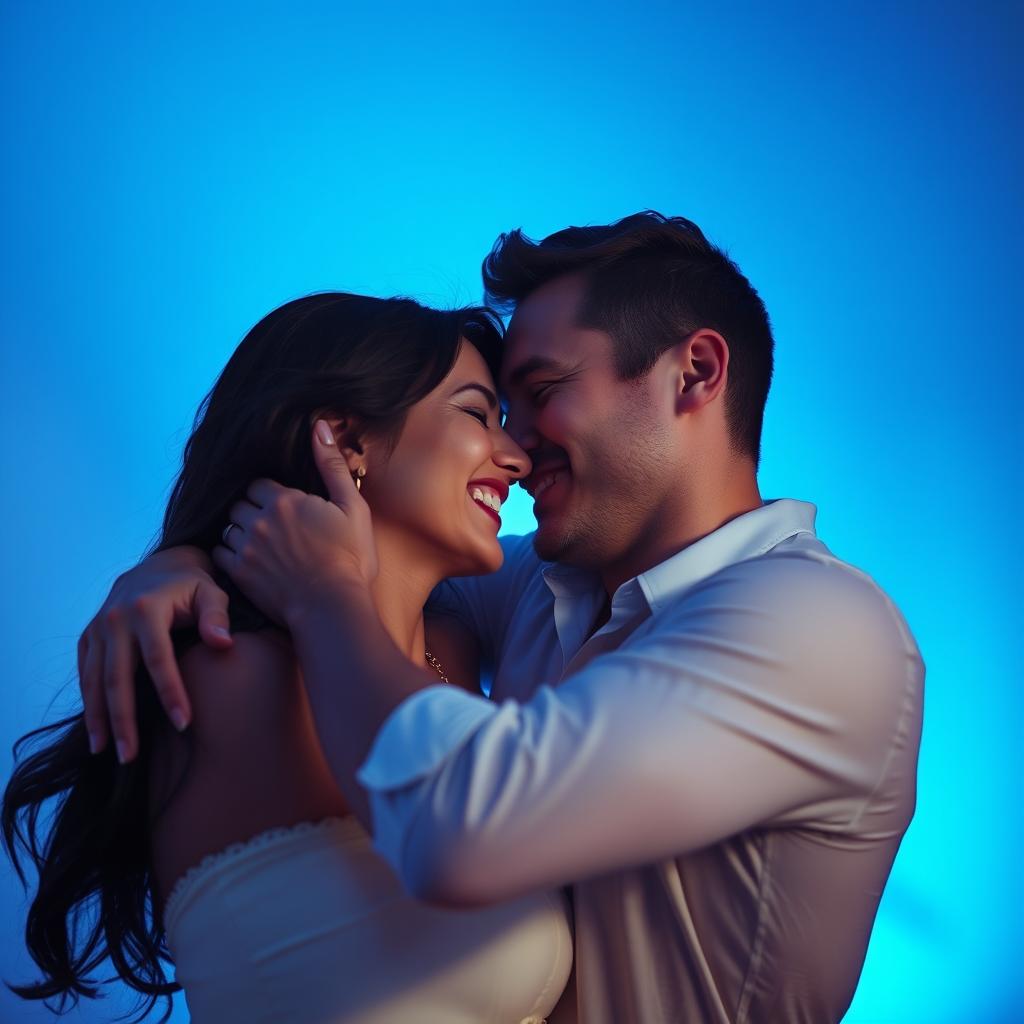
{"points": [[678, 525]]}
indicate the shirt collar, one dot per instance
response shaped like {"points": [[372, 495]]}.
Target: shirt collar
{"points": [[746, 536]]}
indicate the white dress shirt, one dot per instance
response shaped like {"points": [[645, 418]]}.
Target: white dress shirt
{"points": [[723, 771]]}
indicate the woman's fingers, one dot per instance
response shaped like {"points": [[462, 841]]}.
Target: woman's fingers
{"points": [[262, 492], [90, 682], [155, 645], [171, 589], [211, 607], [225, 559], [243, 514], [334, 471], [83, 655], [118, 681]]}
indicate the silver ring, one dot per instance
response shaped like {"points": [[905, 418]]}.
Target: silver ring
{"points": [[224, 535]]}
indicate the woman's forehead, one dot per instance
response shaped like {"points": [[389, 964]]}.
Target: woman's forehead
{"points": [[470, 366]]}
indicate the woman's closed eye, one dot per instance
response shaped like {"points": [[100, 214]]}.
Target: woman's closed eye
{"points": [[478, 414]]}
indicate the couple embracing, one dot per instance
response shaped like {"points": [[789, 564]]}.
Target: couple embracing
{"points": [[680, 800]]}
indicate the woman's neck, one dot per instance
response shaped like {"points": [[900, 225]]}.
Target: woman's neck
{"points": [[400, 591]]}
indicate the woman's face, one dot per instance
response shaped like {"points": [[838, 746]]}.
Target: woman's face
{"points": [[438, 494]]}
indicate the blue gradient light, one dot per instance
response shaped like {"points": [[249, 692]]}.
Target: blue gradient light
{"points": [[170, 175]]}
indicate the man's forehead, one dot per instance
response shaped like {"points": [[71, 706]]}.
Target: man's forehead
{"points": [[543, 333], [552, 307]]}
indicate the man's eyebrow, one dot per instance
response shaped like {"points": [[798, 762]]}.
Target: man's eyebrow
{"points": [[532, 365], [492, 398]]}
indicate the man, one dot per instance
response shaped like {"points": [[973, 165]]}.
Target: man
{"points": [[701, 719]]}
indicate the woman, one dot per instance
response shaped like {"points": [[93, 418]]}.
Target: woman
{"points": [[229, 847]]}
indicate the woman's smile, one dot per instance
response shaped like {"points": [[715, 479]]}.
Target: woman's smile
{"points": [[489, 496]]}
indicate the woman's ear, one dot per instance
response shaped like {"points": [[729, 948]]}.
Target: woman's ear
{"points": [[347, 436]]}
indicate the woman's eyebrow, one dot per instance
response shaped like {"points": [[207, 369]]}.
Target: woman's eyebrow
{"points": [[492, 398]]}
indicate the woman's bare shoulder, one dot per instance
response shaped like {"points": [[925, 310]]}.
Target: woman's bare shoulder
{"points": [[249, 761], [248, 684], [265, 655]]}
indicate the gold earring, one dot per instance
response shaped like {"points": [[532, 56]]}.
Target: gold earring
{"points": [[358, 477]]}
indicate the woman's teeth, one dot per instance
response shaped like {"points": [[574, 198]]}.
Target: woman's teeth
{"points": [[488, 498]]}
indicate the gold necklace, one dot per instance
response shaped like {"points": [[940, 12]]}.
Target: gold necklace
{"points": [[435, 665]]}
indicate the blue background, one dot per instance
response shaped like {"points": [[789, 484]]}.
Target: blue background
{"points": [[169, 176]]}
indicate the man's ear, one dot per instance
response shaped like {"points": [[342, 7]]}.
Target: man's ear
{"points": [[701, 369]]}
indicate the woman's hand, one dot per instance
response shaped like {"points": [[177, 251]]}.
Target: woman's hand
{"points": [[168, 590], [285, 547]]}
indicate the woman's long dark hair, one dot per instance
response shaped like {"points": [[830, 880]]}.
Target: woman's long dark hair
{"points": [[329, 354]]}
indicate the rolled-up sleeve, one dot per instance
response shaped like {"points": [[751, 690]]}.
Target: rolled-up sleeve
{"points": [[777, 692], [414, 743]]}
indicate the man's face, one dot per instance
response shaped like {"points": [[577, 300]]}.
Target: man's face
{"points": [[598, 443]]}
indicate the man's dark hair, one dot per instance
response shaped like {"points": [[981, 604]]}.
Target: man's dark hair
{"points": [[650, 281]]}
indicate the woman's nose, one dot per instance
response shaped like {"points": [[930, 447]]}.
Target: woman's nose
{"points": [[511, 457]]}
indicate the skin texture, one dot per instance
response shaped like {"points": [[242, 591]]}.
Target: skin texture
{"points": [[579, 420], [644, 466]]}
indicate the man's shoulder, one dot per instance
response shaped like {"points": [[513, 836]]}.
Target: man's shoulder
{"points": [[803, 568], [808, 598], [814, 633]]}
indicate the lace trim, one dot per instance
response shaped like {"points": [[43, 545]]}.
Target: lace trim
{"points": [[212, 862]]}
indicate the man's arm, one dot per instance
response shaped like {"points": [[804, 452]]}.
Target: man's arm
{"points": [[780, 693]]}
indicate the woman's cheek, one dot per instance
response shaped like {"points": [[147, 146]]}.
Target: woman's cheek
{"points": [[474, 450]]}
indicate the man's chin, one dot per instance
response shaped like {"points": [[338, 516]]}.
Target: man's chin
{"points": [[564, 540], [549, 543], [554, 542]]}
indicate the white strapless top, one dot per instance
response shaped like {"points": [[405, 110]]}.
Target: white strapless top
{"points": [[308, 925]]}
